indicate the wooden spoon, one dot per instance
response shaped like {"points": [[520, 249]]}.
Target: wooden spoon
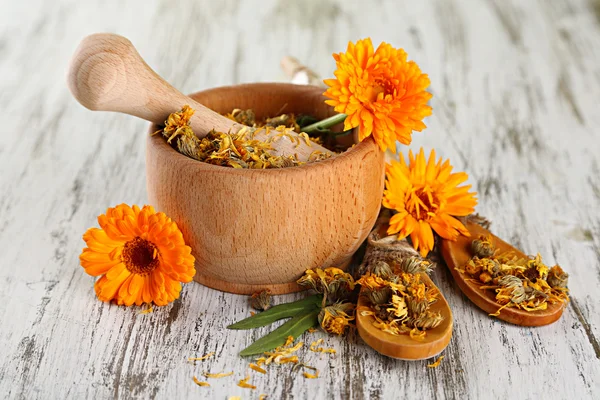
{"points": [[108, 74], [458, 253], [402, 346]]}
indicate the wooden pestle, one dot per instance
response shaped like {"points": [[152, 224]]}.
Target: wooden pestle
{"points": [[108, 74]]}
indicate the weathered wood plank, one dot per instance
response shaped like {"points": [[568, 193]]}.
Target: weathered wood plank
{"points": [[516, 90]]}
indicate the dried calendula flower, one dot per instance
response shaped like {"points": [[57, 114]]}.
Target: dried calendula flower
{"points": [[426, 320], [245, 117], [372, 281], [336, 318], [557, 278], [334, 283], [483, 246], [178, 124], [398, 308], [382, 270], [415, 265], [261, 300]]}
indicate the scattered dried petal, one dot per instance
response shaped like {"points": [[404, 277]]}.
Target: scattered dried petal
{"points": [[257, 368], [204, 357], [243, 383], [218, 375], [199, 383], [436, 363]]}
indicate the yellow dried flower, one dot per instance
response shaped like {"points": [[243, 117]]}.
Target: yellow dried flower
{"points": [[334, 283], [398, 308], [557, 278], [371, 281], [483, 246], [335, 319]]}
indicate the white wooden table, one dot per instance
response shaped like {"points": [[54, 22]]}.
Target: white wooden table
{"points": [[516, 93]]}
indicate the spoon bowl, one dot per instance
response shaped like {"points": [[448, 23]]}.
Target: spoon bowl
{"points": [[403, 347]]}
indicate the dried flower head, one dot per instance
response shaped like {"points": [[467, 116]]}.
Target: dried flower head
{"points": [[426, 320], [372, 281], [334, 283], [261, 300], [140, 255], [336, 318], [382, 270], [380, 92], [426, 195], [178, 123], [415, 265], [557, 278], [483, 246], [398, 308], [244, 117]]}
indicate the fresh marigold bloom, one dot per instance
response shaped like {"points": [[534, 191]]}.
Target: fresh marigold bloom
{"points": [[139, 254], [426, 195], [380, 92]]}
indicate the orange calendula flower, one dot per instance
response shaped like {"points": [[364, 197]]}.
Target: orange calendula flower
{"points": [[380, 92], [139, 254], [426, 195]]}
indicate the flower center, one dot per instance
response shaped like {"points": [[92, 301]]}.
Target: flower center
{"points": [[422, 203], [140, 256]]}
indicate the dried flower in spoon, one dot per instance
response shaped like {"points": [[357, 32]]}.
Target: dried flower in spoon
{"points": [[526, 284]]}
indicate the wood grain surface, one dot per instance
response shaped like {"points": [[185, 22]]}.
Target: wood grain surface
{"points": [[516, 89]]}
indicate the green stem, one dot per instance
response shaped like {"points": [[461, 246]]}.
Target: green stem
{"points": [[325, 124]]}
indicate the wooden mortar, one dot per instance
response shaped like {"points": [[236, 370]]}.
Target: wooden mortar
{"points": [[261, 229]]}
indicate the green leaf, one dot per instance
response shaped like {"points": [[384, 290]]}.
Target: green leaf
{"points": [[278, 312], [294, 327]]}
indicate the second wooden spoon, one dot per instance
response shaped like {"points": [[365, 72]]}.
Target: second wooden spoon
{"points": [[458, 253]]}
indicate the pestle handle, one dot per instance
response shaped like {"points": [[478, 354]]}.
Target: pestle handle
{"points": [[108, 74]]}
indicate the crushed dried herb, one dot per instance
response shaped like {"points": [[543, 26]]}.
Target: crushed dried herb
{"points": [[239, 149]]}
